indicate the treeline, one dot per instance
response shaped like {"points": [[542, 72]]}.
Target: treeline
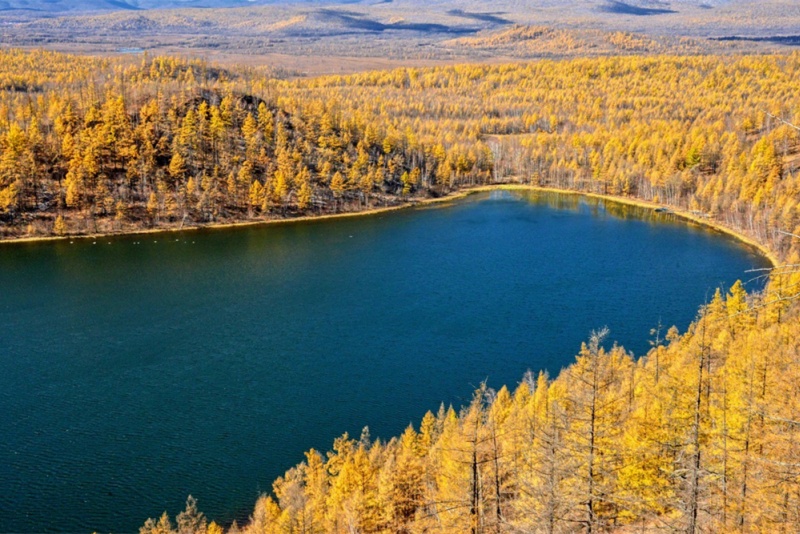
{"points": [[101, 145], [700, 435]]}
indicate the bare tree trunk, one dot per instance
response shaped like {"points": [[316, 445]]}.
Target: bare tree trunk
{"points": [[694, 478], [498, 510], [474, 511]]}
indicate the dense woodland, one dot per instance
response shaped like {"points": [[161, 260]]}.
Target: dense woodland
{"points": [[699, 435], [168, 142]]}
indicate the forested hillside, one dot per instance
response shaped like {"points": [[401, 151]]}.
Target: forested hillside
{"points": [[169, 142]]}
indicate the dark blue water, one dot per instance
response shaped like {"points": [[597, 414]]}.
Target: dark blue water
{"points": [[138, 370]]}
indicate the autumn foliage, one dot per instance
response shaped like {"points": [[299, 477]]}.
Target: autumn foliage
{"points": [[702, 434], [115, 145]]}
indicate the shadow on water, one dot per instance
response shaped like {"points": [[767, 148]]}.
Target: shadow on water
{"points": [[598, 207]]}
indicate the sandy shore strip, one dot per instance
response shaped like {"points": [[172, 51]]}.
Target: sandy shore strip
{"points": [[455, 195]]}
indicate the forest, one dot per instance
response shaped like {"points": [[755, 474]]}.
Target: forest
{"points": [[698, 435], [92, 145]]}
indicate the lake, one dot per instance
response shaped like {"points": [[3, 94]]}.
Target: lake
{"points": [[137, 370]]}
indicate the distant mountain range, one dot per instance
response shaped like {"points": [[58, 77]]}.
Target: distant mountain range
{"points": [[295, 35], [635, 7], [79, 6]]}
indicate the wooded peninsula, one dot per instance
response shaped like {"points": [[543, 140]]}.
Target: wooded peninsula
{"points": [[701, 434]]}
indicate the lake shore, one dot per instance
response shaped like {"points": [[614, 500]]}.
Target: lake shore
{"points": [[702, 221], [455, 195]]}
